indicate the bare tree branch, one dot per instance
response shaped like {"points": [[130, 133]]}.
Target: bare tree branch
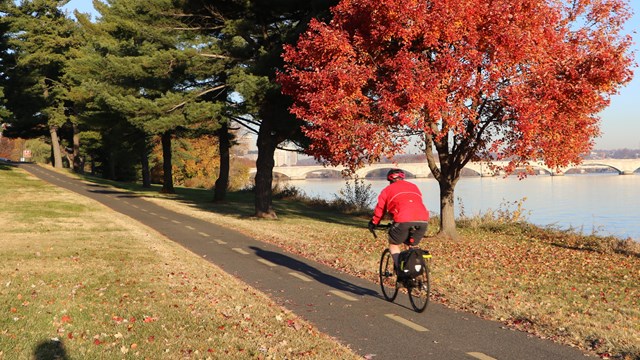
{"points": [[244, 120], [197, 96], [249, 128], [216, 56]]}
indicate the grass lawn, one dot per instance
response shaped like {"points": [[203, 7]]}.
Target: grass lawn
{"points": [[79, 281], [580, 290]]}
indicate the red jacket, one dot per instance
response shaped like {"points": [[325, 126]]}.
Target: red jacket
{"points": [[403, 200]]}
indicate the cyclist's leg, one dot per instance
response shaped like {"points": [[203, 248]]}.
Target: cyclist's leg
{"points": [[395, 253], [398, 234]]}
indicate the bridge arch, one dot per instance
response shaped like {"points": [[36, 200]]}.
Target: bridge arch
{"points": [[277, 175], [323, 173], [380, 172], [421, 170], [577, 168]]}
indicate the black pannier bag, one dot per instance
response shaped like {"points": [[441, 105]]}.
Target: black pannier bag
{"points": [[412, 263]]}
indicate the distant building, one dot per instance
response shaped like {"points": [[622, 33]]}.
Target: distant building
{"points": [[285, 158], [251, 155]]}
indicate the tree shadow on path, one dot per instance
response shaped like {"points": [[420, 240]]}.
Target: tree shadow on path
{"points": [[308, 270]]}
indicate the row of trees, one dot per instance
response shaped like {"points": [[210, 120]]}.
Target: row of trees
{"points": [[150, 71], [514, 79]]}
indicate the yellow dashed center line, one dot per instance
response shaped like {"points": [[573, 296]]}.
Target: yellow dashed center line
{"points": [[240, 251], [204, 234], [301, 277], [481, 356], [343, 295], [221, 242], [190, 227], [267, 262], [152, 213], [406, 322], [176, 222]]}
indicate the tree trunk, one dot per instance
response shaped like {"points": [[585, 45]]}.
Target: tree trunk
{"points": [[67, 156], [77, 158], [222, 183], [112, 165], [447, 214], [167, 186], [144, 162], [267, 143], [447, 173], [55, 147], [83, 163]]}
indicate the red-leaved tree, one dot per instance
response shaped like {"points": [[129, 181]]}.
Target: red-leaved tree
{"points": [[521, 80]]}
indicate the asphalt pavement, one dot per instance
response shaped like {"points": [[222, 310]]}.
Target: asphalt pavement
{"points": [[346, 307]]}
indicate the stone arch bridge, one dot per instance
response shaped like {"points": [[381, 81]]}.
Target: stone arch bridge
{"points": [[421, 170]]}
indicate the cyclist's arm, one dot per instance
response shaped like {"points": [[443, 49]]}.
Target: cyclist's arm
{"points": [[381, 207]]}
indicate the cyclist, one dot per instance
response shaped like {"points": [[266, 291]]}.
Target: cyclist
{"points": [[403, 200]]}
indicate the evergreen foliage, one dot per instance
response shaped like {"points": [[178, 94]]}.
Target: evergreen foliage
{"points": [[144, 73], [41, 39], [142, 66], [253, 33]]}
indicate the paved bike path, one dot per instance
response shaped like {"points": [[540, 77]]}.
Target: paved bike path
{"points": [[346, 307]]}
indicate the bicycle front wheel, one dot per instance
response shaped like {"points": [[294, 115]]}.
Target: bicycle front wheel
{"points": [[388, 279], [419, 292]]}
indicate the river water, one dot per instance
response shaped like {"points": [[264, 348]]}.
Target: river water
{"points": [[605, 204]]}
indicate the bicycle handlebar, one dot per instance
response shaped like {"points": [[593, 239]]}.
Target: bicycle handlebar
{"points": [[381, 226]]}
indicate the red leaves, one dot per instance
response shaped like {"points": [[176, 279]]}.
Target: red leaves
{"points": [[520, 69], [132, 319]]}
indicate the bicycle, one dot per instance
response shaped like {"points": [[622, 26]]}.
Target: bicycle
{"points": [[418, 288]]}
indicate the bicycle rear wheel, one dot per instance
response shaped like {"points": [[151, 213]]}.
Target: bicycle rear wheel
{"points": [[419, 292], [388, 278]]}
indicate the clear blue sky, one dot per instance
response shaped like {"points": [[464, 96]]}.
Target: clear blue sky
{"points": [[621, 120], [620, 123]]}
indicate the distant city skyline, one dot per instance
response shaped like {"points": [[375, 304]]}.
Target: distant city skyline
{"points": [[620, 122]]}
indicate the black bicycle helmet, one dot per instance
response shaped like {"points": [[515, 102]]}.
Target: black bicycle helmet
{"points": [[395, 174]]}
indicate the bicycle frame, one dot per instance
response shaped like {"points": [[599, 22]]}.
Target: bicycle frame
{"points": [[418, 288]]}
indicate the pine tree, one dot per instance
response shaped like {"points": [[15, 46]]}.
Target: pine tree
{"points": [[145, 67], [5, 63], [41, 39], [253, 33]]}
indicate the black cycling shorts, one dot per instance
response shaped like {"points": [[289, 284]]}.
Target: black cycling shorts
{"points": [[400, 233]]}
